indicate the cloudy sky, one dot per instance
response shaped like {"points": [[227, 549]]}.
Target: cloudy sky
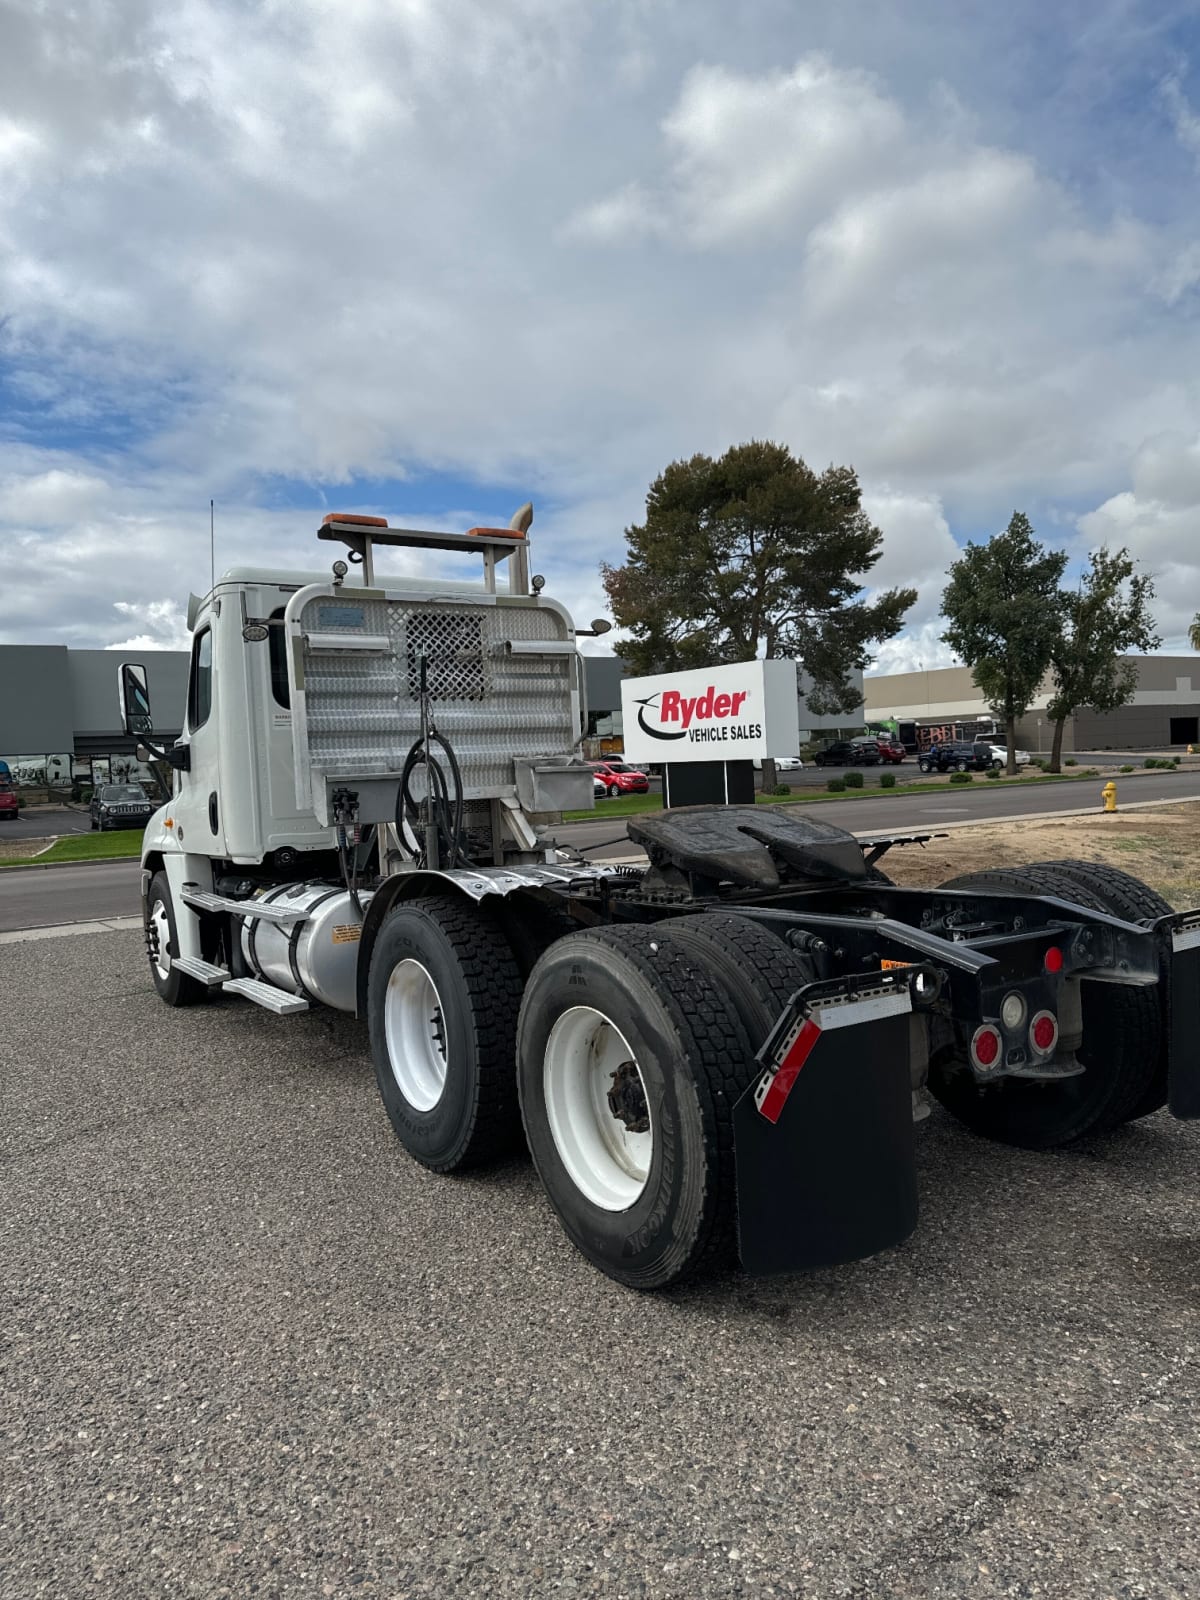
{"points": [[435, 257]]}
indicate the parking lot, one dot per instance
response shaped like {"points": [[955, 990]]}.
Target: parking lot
{"points": [[250, 1348]]}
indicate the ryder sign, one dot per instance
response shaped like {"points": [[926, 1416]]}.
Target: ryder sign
{"points": [[737, 713]]}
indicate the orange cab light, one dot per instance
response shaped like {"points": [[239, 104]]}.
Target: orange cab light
{"points": [[497, 533], [168, 822], [357, 521]]}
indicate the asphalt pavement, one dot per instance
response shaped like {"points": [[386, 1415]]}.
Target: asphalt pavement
{"points": [[249, 1348], [43, 821]]}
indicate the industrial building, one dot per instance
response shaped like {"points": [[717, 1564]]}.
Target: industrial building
{"points": [[59, 722], [1164, 711]]}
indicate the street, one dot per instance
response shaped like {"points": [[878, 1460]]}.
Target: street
{"points": [[251, 1347]]}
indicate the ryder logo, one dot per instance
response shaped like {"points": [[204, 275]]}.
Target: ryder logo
{"points": [[678, 712]]}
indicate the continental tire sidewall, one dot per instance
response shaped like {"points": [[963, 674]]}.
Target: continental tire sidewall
{"points": [[647, 1244]]}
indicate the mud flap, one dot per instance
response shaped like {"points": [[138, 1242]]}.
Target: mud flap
{"points": [[823, 1140], [1183, 1015]]}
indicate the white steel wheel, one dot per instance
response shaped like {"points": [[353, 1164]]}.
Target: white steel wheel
{"points": [[597, 1108], [160, 934], [414, 1029]]}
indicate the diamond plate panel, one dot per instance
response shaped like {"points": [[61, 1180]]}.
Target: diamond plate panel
{"points": [[362, 707]]}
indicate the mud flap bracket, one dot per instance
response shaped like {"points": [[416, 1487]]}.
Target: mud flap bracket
{"points": [[1183, 1013], [823, 1139]]}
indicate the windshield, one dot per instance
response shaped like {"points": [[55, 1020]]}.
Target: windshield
{"points": [[122, 791], [618, 766]]}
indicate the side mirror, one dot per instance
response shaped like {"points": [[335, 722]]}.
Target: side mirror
{"points": [[134, 698]]}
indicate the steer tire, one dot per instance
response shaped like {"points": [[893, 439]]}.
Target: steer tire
{"points": [[759, 972], [174, 987], [1121, 1047], [1127, 897], [638, 990], [473, 1118]]}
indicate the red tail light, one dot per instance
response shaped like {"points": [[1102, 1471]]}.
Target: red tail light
{"points": [[1054, 959], [1043, 1032], [985, 1046]]}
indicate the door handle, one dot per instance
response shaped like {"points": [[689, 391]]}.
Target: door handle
{"points": [[212, 813]]}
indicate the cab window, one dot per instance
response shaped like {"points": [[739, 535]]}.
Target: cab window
{"points": [[279, 673], [200, 682]]}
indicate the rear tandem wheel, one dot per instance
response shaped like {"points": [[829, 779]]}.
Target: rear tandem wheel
{"points": [[1121, 1050]]}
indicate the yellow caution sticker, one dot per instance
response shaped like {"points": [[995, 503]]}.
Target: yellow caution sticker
{"points": [[347, 933]]}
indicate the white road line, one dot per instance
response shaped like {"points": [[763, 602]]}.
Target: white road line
{"points": [[64, 930]]}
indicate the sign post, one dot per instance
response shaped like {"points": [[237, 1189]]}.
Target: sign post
{"points": [[708, 726]]}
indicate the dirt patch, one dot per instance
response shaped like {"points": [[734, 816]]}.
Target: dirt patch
{"points": [[1160, 845], [24, 847]]}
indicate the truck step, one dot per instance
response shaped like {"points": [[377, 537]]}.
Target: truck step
{"points": [[202, 971], [267, 996], [202, 900]]}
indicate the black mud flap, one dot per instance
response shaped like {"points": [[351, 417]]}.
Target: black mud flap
{"points": [[1181, 937], [823, 1140]]}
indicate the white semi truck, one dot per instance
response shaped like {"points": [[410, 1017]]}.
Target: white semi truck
{"points": [[718, 1055]]}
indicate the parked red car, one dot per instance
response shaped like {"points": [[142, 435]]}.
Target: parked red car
{"points": [[618, 778], [9, 809], [891, 751]]}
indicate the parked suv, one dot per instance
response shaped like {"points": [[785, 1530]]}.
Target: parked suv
{"points": [[955, 756], [120, 805], [10, 809], [891, 751], [620, 778], [849, 753]]}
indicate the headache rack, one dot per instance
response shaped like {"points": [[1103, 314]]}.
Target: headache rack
{"points": [[360, 534]]}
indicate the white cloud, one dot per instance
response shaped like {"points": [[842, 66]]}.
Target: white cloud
{"points": [[551, 246], [164, 620]]}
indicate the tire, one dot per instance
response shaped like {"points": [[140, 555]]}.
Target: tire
{"points": [[998, 765], [92, 823], [924, 766], [613, 791], [650, 1206], [1131, 899], [960, 766], [759, 972], [174, 987], [1121, 1050], [442, 998]]}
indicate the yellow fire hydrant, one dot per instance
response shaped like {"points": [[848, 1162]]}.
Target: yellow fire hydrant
{"points": [[1109, 792]]}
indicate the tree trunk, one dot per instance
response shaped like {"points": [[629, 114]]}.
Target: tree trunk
{"points": [[769, 775], [1010, 723], [1056, 745]]}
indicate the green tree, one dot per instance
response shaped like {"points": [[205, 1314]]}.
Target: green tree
{"points": [[1003, 608], [1109, 612], [754, 554], [1194, 632]]}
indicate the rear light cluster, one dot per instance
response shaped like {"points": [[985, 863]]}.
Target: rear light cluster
{"points": [[987, 1042]]}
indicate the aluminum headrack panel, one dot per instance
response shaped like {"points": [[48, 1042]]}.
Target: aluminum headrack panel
{"points": [[501, 679]]}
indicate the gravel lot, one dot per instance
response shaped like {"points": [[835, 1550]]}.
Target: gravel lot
{"points": [[250, 1349]]}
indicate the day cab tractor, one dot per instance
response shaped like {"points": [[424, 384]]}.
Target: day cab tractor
{"points": [[718, 1053]]}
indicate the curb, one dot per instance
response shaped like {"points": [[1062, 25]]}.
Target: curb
{"points": [[51, 866]]}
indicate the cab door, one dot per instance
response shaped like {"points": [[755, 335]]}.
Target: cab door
{"points": [[200, 786]]}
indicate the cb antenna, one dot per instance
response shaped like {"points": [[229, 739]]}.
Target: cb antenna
{"points": [[212, 548]]}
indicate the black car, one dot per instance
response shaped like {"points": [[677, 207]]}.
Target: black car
{"points": [[849, 753], [957, 755], [120, 805]]}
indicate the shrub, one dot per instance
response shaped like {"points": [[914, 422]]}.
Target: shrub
{"points": [[1126, 768], [961, 777], [994, 772], [781, 788], [836, 785], [887, 780], [1150, 761], [1090, 772], [854, 780], [1070, 762], [1175, 760]]}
